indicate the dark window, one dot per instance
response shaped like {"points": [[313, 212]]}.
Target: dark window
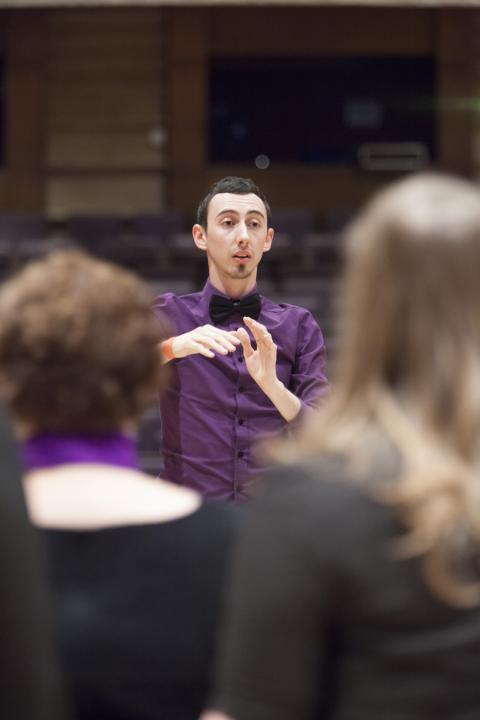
{"points": [[318, 110]]}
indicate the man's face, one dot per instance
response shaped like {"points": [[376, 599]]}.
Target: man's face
{"points": [[237, 234]]}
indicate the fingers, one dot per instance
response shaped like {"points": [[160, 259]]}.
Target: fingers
{"points": [[223, 338], [211, 343], [245, 340], [205, 340], [198, 348], [208, 340], [259, 331]]}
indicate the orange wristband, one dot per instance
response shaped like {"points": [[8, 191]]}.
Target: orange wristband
{"points": [[167, 349]]}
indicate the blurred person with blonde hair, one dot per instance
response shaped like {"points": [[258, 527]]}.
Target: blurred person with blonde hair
{"points": [[135, 564], [356, 592]]}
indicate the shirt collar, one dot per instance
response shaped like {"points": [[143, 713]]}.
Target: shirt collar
{"points": [[209, 290]]}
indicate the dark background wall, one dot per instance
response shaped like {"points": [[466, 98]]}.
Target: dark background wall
{"points": [[106, 109]]}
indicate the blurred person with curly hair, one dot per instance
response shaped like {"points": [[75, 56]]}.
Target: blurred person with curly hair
{"points": [[135, 563]]}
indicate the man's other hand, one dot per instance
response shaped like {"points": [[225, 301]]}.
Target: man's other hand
{"points": [[205, 340]]}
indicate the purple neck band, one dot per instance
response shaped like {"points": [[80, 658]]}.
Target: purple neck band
{"points": [[48, 450]]}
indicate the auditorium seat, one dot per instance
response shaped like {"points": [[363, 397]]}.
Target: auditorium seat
{"points": [[293, 222], [321, 253], [97, 233], [21, 235]]}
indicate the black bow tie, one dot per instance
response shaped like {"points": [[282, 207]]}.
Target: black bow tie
{"points": [[222, 308]]}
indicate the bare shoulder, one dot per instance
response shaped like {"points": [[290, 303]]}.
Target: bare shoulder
{"points": [[95, 496]]}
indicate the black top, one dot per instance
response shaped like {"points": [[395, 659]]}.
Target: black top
{"points": [[325, 623], [30, 686], [136, 611]]}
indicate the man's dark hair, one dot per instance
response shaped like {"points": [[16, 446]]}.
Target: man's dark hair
{"points": [[236, 186]]}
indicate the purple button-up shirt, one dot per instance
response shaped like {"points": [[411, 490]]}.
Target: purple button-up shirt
{"points": [[214, 412]]}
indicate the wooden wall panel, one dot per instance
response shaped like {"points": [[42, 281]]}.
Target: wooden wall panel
{"points": [[102, 150], [107, 108], [201, 3], [102, 192], [25, 45], [319, 31], [106, 111], [186, 79], [458, 55], [302, 186]]}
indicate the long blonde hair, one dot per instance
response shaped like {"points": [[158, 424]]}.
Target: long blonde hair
{"points": [[408, 368]]}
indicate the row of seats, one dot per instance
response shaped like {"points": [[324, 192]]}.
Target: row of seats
{"points": [[301, 268], [154, 246], [88, 228], [153, 256]]}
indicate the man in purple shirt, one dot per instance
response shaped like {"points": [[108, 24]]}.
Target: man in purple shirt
{"points": [[225, 392]]}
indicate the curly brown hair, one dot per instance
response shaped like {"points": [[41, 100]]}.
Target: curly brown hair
{"points": [[78, 345]]}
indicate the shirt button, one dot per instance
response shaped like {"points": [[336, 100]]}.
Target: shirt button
{"points": [[240, 454], [240, 389], [240, 422], [240, 358]]}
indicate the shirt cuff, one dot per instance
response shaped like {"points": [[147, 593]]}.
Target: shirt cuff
{"points": [[167, 349], [301, 417]]}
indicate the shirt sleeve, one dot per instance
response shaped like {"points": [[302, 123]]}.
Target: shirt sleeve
{"points": [[165, 310], [277, 609], [308, 380]]}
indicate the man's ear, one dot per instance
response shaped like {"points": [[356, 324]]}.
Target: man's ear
{"points": [[199, 236], [268, 240]]}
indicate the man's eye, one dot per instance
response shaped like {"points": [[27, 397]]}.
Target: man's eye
{"points": [[255, 224], [227, 222]]}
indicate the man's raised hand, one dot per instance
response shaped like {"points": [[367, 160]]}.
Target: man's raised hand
{"points": [[262, 362], [262, 366]]}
